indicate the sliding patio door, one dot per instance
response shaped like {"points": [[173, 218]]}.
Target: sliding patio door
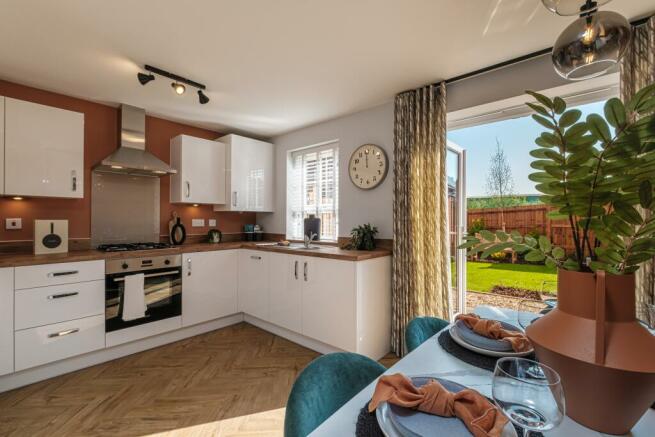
{"points": [[456, 177]]}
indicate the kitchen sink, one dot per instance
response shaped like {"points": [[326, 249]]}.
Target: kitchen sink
{"points": [[294, 246]]}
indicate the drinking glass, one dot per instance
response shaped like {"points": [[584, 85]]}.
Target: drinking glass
{"points": [[532, 400], [530, 310]]}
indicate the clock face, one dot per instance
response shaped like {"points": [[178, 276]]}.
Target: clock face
{"points": [[368, 166]]}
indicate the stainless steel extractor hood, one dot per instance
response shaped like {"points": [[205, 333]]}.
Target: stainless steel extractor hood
{"points": [[131, 156]]}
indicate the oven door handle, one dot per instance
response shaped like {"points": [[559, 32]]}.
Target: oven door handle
{"points": [[152, 275]]}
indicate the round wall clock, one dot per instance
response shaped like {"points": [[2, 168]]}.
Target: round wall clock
{"points": [[368, 166]]}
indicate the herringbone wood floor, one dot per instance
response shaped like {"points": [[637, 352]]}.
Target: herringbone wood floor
{"points": [[230, 382]]}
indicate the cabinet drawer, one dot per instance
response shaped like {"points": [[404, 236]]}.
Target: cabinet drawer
{"points": [[45, 344], [58, 303], [56, 274]]}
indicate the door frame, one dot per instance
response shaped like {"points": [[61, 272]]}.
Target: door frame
{"points": [[460, 256]]}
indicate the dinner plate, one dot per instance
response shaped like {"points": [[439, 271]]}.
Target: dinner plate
{"points": [[460, 341], [397, 421], [471, 337]]}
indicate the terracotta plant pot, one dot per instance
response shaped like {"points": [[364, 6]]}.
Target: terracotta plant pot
{"points": [[606, 359]]}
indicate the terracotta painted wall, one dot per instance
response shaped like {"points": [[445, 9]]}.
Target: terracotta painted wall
{"points": [[100, 139]]}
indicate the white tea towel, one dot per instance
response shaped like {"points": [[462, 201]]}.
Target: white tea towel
{"points": [[134, 298]]}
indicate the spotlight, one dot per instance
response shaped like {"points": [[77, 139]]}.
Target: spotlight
{"points": [[145, 78], [202, 97], [178, 87]]}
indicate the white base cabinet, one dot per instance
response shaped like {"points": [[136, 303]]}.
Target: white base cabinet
{"points": [[6, 320], [253, 283], [285, 282], [343, 304], [209, 283]]}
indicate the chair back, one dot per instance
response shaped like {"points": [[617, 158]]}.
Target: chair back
{"points": [[419, 329], [323, 387]]}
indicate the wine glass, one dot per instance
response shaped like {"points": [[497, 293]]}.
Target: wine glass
{"points": [[532, 400], [530, 310]]}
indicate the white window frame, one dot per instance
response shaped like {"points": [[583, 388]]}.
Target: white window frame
{"points": [[315, 148]]}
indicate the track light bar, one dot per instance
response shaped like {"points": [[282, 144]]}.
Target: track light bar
{"points": [[177, 81], [175, 77]]}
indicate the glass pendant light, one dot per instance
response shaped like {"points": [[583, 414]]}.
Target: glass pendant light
{"points": [[591, 45], [572, 7]]}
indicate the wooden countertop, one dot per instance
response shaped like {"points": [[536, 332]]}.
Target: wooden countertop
{"points": [[331, 252]]}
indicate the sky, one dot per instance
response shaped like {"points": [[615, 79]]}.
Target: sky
{"points": [[516, 137]]}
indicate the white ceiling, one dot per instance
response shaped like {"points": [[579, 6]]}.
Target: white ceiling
{"points": [[270, 66]]}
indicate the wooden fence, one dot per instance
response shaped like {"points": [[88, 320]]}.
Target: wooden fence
{"points": [[525, 219]]}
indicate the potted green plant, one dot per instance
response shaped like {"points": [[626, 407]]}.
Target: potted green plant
{"points": [[362, 237], [598, 174]]}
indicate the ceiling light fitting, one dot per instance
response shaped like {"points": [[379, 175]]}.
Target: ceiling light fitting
{"points": [[592, 44], [178, 84]]}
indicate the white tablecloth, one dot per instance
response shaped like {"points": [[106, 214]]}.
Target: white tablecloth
{"points": [[431, 359]]}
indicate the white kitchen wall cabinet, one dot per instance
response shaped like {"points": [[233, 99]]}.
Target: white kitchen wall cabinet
{"points": [[253, 296], [200, 166], [285, 282], [6, 320], [209, 280], [249, 175], [2, 145], [44, 150]]}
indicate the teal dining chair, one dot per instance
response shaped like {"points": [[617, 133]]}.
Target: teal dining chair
{"points": [[323, 387], [420, 329]]}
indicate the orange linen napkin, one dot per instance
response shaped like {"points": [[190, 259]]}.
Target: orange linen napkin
{"points": [[493, 329], [479, 415]]}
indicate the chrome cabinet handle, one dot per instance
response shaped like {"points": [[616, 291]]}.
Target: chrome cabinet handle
{"points": [[62, 295], [64, 273], [62, 333], [295, 269], [305, 271], [74, 180], [188, 262], [235, 197], [188, 189], [255, 257]]}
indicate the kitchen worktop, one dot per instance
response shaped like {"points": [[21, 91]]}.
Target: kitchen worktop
{"points": [[326, 251]]}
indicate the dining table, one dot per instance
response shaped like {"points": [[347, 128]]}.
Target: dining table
{"points": [[430, 359]]}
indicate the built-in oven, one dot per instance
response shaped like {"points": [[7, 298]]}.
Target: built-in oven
{"points": [[162, 289]]}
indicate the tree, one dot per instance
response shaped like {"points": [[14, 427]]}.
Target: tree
{"points": [[500, 183]]}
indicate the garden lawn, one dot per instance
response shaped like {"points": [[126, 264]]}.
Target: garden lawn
{"points": [[482, 276]]}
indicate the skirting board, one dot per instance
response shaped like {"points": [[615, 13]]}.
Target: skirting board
{"points": [[30, 376], [307, 342]]}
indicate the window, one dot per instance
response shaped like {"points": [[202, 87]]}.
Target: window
{"points": [[312, 188]]}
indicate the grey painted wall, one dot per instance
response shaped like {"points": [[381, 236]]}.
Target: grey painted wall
{"points": [[376, 126], [356, 206]]}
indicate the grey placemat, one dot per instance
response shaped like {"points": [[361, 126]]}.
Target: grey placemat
{"points": [[468, 356]]}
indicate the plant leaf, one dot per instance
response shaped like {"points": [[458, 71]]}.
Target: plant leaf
{"points": [[615, 112], [558, 253], [534, 256], [559, 105], [645, 194], [541, 99], [488, 235], [598, 127], [539, 109], [543, 121], [570, 117], [544, 244]]}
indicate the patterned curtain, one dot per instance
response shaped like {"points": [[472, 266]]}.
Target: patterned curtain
{"points": [[420, 235], [637, 71]]}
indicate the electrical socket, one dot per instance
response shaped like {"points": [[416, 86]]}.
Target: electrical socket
{"points": [[198, 223], [212, 222], [14, 224]]}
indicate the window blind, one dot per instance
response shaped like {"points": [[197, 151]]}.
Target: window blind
{"points": [[312, 188]]}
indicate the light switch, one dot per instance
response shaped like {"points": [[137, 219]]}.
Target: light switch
{"points": [[198, 223], [14, 223], [212, 222]]}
